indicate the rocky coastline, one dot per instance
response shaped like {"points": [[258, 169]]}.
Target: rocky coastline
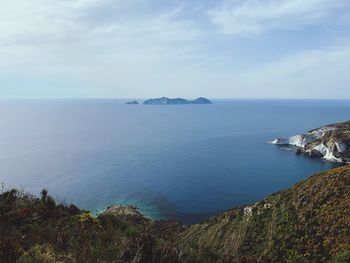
{"points": [[330, 142]]}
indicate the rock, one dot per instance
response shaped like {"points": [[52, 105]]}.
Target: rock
{"points": [[123, 210], [315, 153], [267, 206], [248, 211], [298, 151]]}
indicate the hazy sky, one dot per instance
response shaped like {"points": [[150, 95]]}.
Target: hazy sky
{"points": [[147, 48]]}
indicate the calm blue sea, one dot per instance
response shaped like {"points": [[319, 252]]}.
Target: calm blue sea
{"points": [[184, 162]]}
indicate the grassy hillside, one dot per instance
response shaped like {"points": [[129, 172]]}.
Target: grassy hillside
{"points": [[310, 222]]}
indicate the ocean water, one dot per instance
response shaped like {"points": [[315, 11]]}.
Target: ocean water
{"points": [[184, 162]]}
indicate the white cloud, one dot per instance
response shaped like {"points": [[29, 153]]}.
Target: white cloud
{"points": [[118, 49], [319, 73], [163, 27], [93, 41], [22, 21], [255, 16], [47, 33]]}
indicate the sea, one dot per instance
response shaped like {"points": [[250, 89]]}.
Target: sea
{"points": [[181, 162]]}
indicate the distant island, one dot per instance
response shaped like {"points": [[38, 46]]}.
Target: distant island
{"points": [[176, 101], [132, 102]]}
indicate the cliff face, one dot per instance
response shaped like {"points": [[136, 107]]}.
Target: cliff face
{"points": [[331, 142], [310, 222]]}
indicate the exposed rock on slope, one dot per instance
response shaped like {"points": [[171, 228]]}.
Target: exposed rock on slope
{"points": [[124, 210], [331, 142]]}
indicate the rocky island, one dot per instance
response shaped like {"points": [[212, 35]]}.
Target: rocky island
{"points": [[310, 222], [176, 101], [330, 142]]}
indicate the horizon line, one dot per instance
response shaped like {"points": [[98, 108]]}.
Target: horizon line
{"points": [[145, 98]]}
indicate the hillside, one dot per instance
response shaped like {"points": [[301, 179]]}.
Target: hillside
{"points": [[310, 222]]}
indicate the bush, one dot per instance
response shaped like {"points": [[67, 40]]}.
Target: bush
{"points": [[342, 257], [39, 254]]}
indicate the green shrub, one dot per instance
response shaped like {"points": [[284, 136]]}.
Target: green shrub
{"points": [[39, 254], [342, 257]]}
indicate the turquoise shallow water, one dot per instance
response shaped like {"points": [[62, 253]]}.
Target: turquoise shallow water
{"points": [[184, 162]]}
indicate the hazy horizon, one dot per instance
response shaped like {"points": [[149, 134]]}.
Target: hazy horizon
{"points": [[145, 98], [172, 97]]}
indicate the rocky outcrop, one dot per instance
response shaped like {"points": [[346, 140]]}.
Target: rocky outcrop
{"points": [[330, 142], [176, 101], [123, 210]]}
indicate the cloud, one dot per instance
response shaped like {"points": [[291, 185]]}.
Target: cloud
{"points": [[26, 21], [62, 35], [105, 43], [317, 73], [253, 17], [135, 48], [23, 21]]}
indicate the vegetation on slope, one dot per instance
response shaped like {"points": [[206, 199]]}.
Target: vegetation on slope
{"points": [[39, 230], [310, 222]]}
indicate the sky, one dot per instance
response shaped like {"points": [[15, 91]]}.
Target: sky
{"points": [[175, 48]]}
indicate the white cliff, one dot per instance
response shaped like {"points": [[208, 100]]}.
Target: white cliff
{"points": [[331, 142]]}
